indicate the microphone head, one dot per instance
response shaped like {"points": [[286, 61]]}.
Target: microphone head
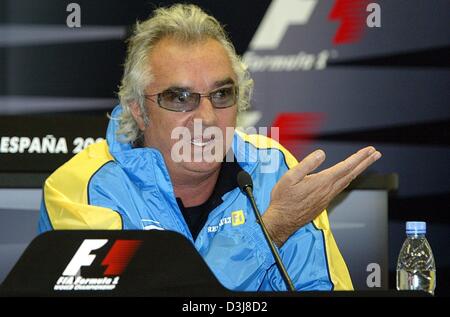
{"points": [[244, 180]]}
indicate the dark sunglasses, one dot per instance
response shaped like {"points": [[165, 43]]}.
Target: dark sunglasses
{"points": [[184, 101]]}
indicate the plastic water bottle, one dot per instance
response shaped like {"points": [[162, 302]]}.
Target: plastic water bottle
{"points": [[416, 269]]}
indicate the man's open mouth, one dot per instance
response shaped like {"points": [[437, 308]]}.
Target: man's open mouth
{"points": [[202, 141]]}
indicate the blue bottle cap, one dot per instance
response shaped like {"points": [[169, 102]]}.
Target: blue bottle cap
{"points": [[416, 227]]}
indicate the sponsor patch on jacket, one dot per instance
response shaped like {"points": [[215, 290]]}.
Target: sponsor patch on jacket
{"points": [[237, 218]]}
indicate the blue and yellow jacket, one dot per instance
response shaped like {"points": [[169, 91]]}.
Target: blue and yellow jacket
{"points": [[111, 185]]}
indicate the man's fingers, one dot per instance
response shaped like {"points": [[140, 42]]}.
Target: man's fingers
{"points": [[346, 180], [306, 166], [345, 167]]}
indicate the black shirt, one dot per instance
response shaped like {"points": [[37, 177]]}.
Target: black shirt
{"points": [[196, 216]]}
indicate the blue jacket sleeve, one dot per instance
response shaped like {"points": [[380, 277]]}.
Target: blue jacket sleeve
{"points": [[304, 256]]}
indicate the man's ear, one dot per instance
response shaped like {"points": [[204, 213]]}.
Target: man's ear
{"points": [[137, 115]]}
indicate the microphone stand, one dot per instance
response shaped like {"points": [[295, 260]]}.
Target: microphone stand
{"points": [[248, 190]]}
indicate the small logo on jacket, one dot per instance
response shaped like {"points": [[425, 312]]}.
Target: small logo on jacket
{"points": [[148, 224], [237, 218], [115, 261]]}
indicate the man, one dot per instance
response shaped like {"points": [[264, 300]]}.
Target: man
{"points": [[182, 70]]}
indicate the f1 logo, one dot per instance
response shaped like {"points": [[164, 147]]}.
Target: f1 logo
{"points": [[237, 218], [116, 260], [283, 13]]}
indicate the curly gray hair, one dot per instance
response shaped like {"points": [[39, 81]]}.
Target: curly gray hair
{"points": [[187, 23]]}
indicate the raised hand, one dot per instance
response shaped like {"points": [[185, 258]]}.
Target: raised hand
{"points": [[300, 195]]}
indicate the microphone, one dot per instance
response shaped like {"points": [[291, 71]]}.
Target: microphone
{"points": [[245, 183]]}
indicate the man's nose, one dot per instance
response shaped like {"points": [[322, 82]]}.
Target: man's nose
{"points": [[206, 112]]}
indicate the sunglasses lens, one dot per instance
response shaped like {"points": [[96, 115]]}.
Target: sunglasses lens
{"points": [[224, 97], [180, 101]]}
